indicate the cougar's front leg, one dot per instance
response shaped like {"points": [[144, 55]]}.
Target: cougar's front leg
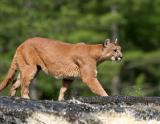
{"points": [[65, 84], [89, 77]]}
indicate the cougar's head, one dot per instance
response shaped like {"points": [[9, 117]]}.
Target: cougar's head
{"points": [[111, 50]]}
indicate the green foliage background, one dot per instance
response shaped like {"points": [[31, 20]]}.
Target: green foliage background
{"points": [[89, 21]]}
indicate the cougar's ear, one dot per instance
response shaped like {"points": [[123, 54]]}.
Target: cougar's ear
{"points": [[106, 42]]}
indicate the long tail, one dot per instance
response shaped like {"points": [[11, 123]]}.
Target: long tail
{"points": [[10, 75]]}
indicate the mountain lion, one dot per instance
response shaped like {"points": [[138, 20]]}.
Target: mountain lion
{"points": [[60, 60]]}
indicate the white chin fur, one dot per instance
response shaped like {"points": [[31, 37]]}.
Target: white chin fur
{"points": [[113, 59], [119, 58]]}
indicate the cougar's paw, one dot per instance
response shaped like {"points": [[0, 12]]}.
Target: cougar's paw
{"points": [[25, 97]]}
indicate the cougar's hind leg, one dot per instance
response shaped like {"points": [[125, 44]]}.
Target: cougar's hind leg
{"points": [[27, 61], [27, 75], [65, 84], [15, 86]]}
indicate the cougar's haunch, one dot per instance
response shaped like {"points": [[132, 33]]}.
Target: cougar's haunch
{"points": [[60, 60]]}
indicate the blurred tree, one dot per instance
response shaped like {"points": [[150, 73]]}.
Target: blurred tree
{"points": [[136, 23]]}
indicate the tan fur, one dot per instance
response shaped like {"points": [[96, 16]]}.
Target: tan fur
{"points": [[60, 60]]}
